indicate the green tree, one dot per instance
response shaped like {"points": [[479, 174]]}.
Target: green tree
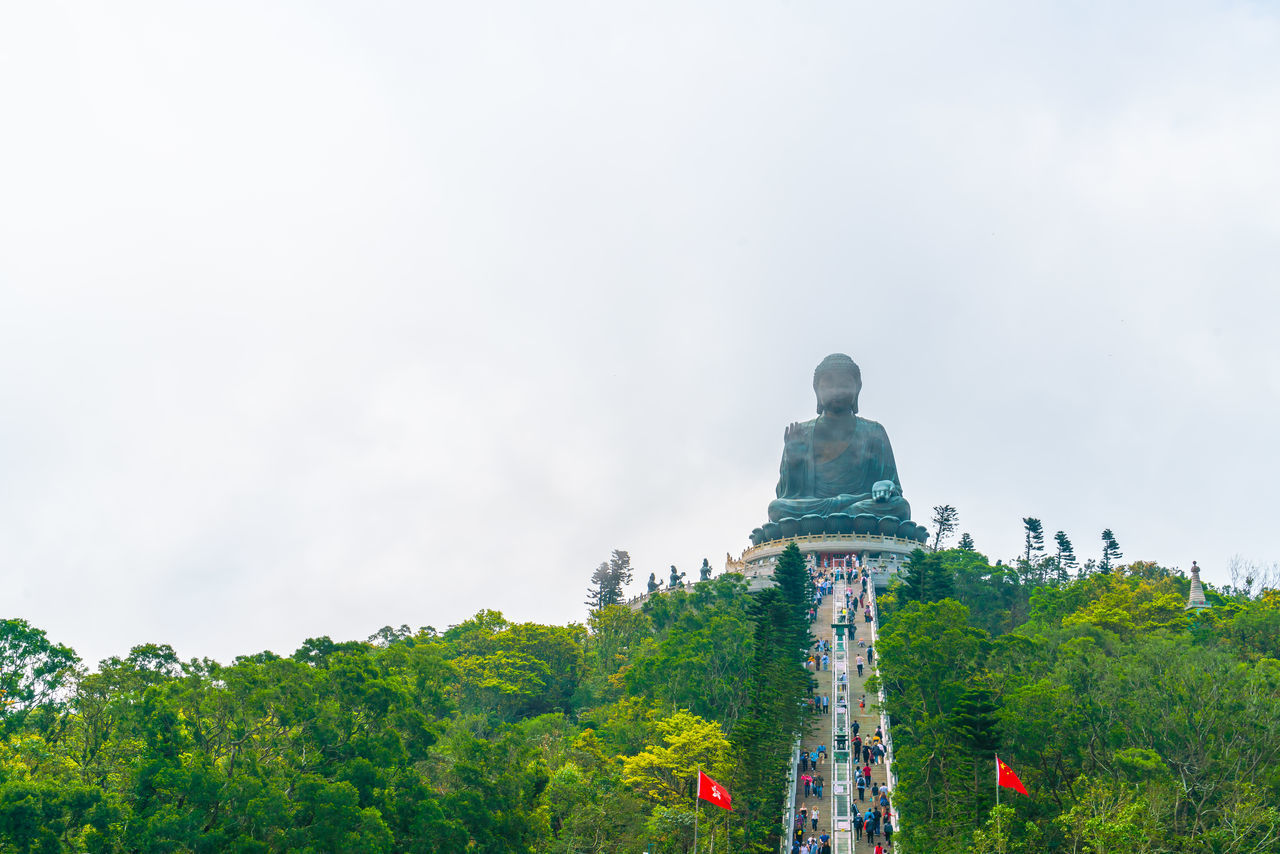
{"points": [[615, 635], [1065, 558], [945, 519], [698, 662], [1110, 551], [927, 577], [792, 578], [35, 672], [1034, 537], [939, 578], [914, 578], [966, 542], [609, 581], [977, 724], [1109, 817], [682, 743]]}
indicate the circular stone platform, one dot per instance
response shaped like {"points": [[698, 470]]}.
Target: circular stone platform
{"points": [[884, 556]]}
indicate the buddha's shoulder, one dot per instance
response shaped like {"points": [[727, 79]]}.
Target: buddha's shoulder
{"points": [[869, 425]]}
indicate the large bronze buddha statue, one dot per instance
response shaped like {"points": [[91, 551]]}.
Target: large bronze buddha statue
{"points": [[838, 463]]}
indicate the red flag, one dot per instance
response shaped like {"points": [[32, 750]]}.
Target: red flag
{"points": [[710, 790], [1005, 777]]}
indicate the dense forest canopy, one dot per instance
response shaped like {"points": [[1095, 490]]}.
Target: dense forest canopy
{"points": [[1136, 725], [491, 736]]}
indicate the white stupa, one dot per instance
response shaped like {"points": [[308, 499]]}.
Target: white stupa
{"points": [[1196, 600]]}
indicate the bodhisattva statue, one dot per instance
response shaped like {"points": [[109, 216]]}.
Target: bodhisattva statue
{"points": [[704, 574], [834, 463], [654, 584], [675, 581]]}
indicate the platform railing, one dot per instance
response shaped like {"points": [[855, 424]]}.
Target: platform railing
{"points": [[891, 779], [789, 813], [801, 539], [841, 760]]}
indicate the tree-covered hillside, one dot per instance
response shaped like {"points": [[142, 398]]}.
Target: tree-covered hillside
{"points": [[1137, 726], [491, 736]]}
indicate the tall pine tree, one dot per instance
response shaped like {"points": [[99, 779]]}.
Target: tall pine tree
{"points": [[975, 719], [609, 580], [926, 578], [914, 578], [945, 519], [940, 581], [1066, 556], [1034, 536], [1110, 551], [792, 578]]}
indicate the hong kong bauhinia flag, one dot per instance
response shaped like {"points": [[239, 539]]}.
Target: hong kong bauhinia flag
{"points": [[710, 790], [1005, 777]]}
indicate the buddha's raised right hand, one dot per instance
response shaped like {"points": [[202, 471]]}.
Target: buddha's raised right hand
{"points": [[796, 442]]}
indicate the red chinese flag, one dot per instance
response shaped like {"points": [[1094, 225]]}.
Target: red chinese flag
{"points": [[710, 790], [1005, 777]]}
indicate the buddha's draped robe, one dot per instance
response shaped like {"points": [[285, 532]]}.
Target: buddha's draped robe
{"points": [[840, 480]]}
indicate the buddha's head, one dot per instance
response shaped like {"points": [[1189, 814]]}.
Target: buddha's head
{"points": [[837, 382]]}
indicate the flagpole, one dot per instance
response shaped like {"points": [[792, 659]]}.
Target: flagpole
{"points": [[999, 835], [696, 785]]}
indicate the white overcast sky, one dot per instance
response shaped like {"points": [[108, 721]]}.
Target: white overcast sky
{"points": [[316, 317]]}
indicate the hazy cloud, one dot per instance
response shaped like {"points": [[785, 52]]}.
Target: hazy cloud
{"points": [[321, 317]]}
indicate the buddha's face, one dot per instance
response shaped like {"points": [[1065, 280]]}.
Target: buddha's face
{"points": [[837, 391]]}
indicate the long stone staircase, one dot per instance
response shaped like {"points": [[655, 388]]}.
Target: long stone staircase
{"points": [[848, 701]]}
